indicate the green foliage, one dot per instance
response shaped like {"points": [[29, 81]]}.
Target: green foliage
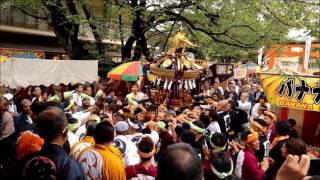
{"points": [[221, 29]]}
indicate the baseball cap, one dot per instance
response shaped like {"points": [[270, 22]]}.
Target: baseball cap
{"points": [[121, 126]]}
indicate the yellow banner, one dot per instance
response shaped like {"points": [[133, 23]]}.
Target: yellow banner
{"points": [[292, 91]]}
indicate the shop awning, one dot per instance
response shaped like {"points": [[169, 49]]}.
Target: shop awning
{"points": [[25, 72]]}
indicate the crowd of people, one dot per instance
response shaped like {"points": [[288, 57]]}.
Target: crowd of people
{"points": [[85, 133]]}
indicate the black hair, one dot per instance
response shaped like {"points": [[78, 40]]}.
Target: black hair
{"points": [[186, 126], [261, 122], [219, 139], [244, 135], [146, 131], [68, 116], [126, 110], [205, 119], [200, 124], [221, 162], [188, 137], [120, 117], [37, 107], [51, 104], [215, 94], [213, 115], [86, 87], [44, 91], [179, 130], [104, 132], [145, 145], [264, 97], [135, 84], [90, 126], [283, 128], [34, 88], [292, 122], [296, 146], [51, 122], [73, 121], [179, 162], [77, 85], [233, 104], [67, 103]]}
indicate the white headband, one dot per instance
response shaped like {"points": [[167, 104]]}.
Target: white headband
{"points": [[133, 125], [223, 174]]}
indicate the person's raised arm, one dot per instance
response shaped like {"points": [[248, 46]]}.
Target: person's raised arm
{"points": [[294, 168]]}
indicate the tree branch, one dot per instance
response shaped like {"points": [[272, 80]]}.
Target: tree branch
{"points": [[24, 11], [165, 44], [93, 27], [309, 3], [273, 15]]}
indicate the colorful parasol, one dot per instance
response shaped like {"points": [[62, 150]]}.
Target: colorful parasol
{"points": [[129, 71]]}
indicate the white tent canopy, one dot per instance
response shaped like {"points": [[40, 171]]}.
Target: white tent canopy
{"points": [[25, 72]]}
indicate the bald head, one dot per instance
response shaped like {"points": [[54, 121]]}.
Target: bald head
{"points": [[26, 106], [51, 124], [179, 163], [221, 105]]}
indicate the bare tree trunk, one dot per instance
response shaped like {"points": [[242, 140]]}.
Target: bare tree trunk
{"points": [[66, 32], [138, 31]]}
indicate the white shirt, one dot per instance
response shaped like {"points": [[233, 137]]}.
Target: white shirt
{"points": [[214, 127], [135, 138], [246, 106], [254, 111], [81, 131], [81, 115], [92, 101], [12, 108], [72, 138], [77, 98], [129, 150], [138, 97]]}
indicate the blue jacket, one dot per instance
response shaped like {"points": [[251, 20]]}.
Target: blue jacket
{"points": [[21, 123], [66, 168]]}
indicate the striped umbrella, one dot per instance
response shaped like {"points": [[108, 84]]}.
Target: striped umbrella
{"points": [[129, 71]]}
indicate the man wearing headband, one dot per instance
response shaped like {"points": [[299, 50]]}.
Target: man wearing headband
{"points": [[201, 140], [260, 126], [283, 129], [86, 141], [247, 166], [270, 118], [219, 167], [218, 143], [127, 148], [135, 96], [165, 138], [146, 169], [134, 131], [73, 125]]}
